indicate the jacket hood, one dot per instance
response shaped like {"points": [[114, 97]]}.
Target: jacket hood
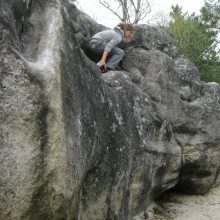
{"points": [[119, 30]]}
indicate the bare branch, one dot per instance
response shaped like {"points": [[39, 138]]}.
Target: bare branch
{"points": [[107, 5], [132, 11]]}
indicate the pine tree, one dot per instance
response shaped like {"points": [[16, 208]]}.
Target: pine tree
{"points": [[196, 37]]}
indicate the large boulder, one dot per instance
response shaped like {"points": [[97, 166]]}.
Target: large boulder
{"points": [[76, 144]]}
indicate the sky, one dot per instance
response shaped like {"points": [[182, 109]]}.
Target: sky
{"points": [[159, 9]]}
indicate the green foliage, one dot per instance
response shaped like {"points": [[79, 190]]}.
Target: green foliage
{"points": [[196, 37], [211, 14]]}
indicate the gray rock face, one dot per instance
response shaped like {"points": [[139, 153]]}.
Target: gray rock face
{"points": [[76, 144]]}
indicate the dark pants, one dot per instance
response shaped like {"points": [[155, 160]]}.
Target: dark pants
{"points": [[95, 52]]}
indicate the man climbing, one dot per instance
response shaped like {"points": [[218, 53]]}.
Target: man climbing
{"points": [[103, 46]]}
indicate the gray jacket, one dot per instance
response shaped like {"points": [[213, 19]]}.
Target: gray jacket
{"points": [[111, 38]]}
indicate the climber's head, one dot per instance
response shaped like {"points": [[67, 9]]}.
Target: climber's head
{"points": [[128, 29]]}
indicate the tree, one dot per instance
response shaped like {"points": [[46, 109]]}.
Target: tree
{"points": [[196, 37], [131, 11], [210, 19], [211, 14]]}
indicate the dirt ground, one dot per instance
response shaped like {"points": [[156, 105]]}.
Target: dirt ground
{"points": [[190, 207]]}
